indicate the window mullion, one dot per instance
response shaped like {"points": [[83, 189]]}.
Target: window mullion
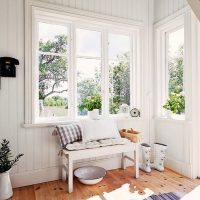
{"points": [[105, 74], [72, 74], [132, 75], [166, 65]]}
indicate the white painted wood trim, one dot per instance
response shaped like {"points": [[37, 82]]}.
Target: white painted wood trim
{"points": [[53, 124], [84, 14], [55, 173], [181, 167], [171, 17], [161, 72], [65, 20]]}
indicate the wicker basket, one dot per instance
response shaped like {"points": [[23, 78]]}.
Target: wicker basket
{"points": [[130, 134]]}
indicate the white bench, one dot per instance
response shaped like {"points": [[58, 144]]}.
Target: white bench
{"points": [[70, 156]]}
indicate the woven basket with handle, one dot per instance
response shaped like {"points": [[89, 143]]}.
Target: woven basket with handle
{"points": [[130, 134]]}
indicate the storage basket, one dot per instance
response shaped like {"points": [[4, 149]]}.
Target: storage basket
{"points": [[130, 134]]}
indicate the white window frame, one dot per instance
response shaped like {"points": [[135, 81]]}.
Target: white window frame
{"points": [[31, 97], [88, 27], [161, 61]]}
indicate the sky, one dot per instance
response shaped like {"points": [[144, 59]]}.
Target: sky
{"points": [[88, 42], [176, 39]]}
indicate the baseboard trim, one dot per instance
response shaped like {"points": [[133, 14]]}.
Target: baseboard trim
{"points": [[35, 176], [54, 173], [179, 166]]}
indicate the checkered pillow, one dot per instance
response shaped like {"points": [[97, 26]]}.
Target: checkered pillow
{"points": [[69, 133]]}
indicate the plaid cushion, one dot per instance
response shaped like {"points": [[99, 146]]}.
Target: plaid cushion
{"points": [[69, 133]]}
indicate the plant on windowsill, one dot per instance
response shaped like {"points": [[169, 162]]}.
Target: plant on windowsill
{"points": [[92, 104], [175, 104], [6, 163]]}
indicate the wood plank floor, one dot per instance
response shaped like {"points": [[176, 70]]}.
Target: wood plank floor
{"points": [[158, 182]]}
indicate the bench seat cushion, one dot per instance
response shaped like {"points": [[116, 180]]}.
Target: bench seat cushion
{"points": [[95, 144]]}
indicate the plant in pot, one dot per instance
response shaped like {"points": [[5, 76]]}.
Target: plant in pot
{"points": [[6, 163], [175, 104], [92, 104]]}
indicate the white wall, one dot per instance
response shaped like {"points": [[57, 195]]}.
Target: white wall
{"points": [[182, 137], [129, 9], [40, 148], [165, 8], [176, 134]]}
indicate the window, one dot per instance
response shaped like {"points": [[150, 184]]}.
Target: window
{"points": [[175, 56], [73, 60], [170, 59], [53, 70], [88, 62], [119, 71], [175, 66]]}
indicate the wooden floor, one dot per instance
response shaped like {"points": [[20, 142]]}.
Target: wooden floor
{"points": [[159, 182]]}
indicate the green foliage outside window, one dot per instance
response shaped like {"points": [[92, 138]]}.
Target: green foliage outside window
{"points": [[53, 76], [91, 102], [53, 69], [176, 100], [55, 101], [175, 103], [119, 82]]}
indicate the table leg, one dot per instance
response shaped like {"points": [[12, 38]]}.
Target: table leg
{"points": [[123, 161], [136, 158]]}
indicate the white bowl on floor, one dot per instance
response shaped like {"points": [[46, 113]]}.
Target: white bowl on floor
{"points": [[90, 175]]}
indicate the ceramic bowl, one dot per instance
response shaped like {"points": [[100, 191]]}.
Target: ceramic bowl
{"points": [[90, 175]]}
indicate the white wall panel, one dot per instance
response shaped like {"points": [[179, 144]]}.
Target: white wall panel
{"points": [[129, 9], [176, 135], [40, 148], [165, 8]]}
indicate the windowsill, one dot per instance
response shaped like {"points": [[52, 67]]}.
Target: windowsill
{"points": [[175, 119], [53, 123]]}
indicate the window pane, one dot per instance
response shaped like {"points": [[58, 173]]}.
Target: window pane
{"points": [[53, 86], [175, 68], [119, 72], [53, 38], [88, 43], [88, 81], [118, 45]]}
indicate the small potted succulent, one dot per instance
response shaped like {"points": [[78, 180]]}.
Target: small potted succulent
{"points": [[6, 163], [92, 104], [175, 104]]}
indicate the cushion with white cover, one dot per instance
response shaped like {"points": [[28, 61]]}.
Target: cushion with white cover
{"points": [[75, 146], [93, 130], [95, 144]]}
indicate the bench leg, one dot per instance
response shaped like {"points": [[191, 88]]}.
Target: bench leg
{"points": [[70, 174], [123, 161], [136, 158], [64, 168]]}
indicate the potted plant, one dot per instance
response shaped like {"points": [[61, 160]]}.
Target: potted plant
{"points": [[92, 104], [175, 104], [6, 163]]}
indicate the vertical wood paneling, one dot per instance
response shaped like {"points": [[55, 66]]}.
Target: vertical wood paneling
{"points": [[164, 8], [38, 145], [12, 83], [129, 9], [4, 81], [20, 86], [78, 4]]}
